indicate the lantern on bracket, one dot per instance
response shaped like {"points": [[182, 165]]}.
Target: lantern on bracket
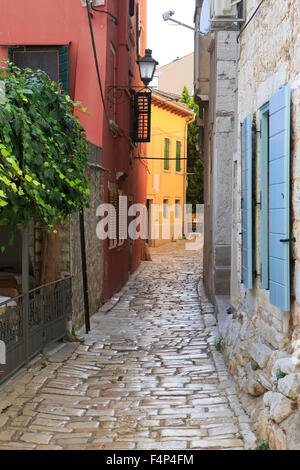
{"points": [[147, 66]]}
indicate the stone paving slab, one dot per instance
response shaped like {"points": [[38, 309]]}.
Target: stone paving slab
{"points": [[147, 376]]}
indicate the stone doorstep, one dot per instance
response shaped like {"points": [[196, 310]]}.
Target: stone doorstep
{"points": [[60, 352]]}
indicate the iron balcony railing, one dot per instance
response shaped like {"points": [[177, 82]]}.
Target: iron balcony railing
{"points": [[31, 321]]}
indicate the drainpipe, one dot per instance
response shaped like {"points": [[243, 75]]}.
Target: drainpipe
{"points": [[84, 273], [186, 161], [25, 285]]}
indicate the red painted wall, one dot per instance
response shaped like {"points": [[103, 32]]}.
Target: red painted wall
{"points": [[57, 22], [116, 158]]}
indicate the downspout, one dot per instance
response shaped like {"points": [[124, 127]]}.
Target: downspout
{"points": [[185, 185], [84, 273]]}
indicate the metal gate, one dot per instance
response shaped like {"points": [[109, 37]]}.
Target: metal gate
{"points": [[29, 322]]}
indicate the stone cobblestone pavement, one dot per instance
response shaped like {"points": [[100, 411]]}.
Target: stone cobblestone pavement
{"points": [[147, 376]]}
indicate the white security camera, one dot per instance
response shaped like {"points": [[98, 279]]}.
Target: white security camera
{"points": [[168, 14]]}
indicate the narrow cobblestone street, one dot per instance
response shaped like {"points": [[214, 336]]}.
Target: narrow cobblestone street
{"points": [[147, 376]]}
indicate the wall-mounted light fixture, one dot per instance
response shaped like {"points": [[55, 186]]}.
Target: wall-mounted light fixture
{"points": [[141, 98], [147, 66]]}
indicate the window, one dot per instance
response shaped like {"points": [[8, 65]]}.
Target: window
{"points": [[177, 209], [54, 60], [275, 237], [166, 208], [167, 154], [178, 155]]}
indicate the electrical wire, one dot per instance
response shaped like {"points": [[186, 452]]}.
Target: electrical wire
{"points": [[249, 21], [96, 60], [157, 134], [115, 20], [161, 158]]}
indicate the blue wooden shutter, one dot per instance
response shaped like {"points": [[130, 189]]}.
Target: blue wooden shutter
{"points": [[264, 197], [279, 198], [247, 203]]}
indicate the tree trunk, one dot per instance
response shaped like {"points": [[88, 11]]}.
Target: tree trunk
{"points": [[50, 262]]}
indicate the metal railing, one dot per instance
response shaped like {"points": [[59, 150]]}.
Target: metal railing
{"points": [[31, 321]]}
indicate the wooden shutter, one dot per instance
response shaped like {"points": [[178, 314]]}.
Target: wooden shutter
{"points": [[64, 68], [279, 198], [131, 7], [112, 220], [166, 154], [122, 217], [264, 197], [247, 203], [178, 155], [142, 117]]}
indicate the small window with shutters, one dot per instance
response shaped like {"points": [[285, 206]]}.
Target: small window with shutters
{"points": [[53, 60], [275, 236]]}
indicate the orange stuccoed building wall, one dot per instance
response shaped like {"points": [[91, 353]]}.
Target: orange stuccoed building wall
{"points": [[119, 28]]}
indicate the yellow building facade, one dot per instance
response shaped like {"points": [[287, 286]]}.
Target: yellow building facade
{"points": [[166, 159]]}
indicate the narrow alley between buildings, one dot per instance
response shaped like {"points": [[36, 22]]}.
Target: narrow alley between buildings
{"points": [[149, 375]]}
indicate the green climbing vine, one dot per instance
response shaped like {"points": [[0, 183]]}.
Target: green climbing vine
{"points": [[43, 151]]}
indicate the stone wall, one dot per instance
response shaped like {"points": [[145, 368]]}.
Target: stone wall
{"points": [[218, 173], [94, 251], [260, 342], [70, 250]]}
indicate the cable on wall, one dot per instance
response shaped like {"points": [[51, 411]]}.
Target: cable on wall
{"points": [[249, 21], [96, 59], [115, 20]]}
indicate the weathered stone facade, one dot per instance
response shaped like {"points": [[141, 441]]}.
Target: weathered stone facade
{"points": [[94, 251], [70, 250], [219, 142], [260, 341]]}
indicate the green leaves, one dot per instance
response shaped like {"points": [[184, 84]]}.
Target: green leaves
{"points": [[38, 134], [195, 166], [4, 152]]}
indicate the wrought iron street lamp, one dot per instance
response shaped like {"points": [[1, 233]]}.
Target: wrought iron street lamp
{"points": [[141, 98], [147, 66]]}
